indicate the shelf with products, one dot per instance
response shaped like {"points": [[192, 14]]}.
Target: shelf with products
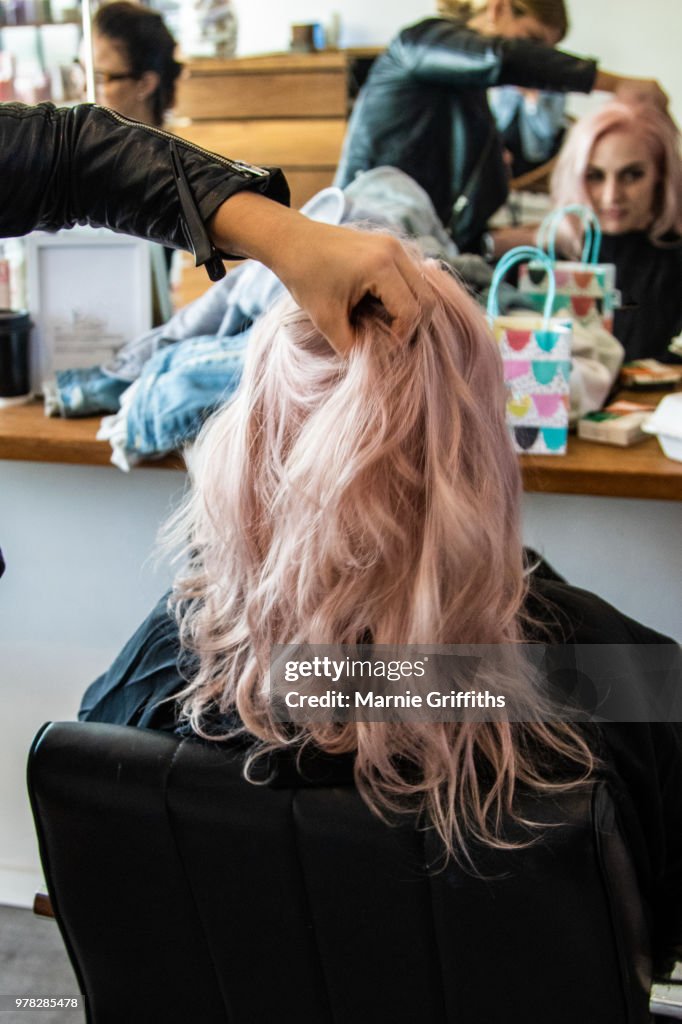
{"points": [[38, 12], [40, 50]]}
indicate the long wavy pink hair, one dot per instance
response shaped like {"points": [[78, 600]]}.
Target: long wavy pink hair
{"points": [[655, 128], [378, 494]]}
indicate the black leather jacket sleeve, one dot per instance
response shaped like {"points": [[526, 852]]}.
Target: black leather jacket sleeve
{"points": [[88, 165], [445, 51]]}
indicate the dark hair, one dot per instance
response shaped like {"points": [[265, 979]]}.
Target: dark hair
{"points": [[549, 12], [148, 44]]}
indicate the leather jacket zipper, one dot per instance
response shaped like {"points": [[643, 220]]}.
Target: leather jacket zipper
{"points": [[234, 165], [205, 253]]}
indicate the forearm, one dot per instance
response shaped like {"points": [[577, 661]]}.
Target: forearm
{"points": [[502, 240], [455, 55], [535, 66], [250, 225], [83, 165], [631, 90]]}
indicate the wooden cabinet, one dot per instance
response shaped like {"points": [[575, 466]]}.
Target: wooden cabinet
{"points": [[285, 110], [280, 85]]}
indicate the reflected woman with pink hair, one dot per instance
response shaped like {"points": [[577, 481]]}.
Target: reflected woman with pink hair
{"points": [[376, 499], [624, 161]]}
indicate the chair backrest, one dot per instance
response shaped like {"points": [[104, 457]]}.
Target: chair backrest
{"points": [[185, 893]]}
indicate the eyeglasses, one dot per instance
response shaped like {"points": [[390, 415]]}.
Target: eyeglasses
{"points": [[106, 77]]}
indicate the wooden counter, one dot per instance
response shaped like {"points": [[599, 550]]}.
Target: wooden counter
{"points": [[27, 435], [641, 471]]}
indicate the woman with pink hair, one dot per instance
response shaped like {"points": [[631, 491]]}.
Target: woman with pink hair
{"points": [[624, 161], [375, 499]]}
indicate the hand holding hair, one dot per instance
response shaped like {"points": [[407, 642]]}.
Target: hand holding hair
{"points": [[327, 269], [632, 90]]}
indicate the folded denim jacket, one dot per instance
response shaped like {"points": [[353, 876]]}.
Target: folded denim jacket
{"points": [[178, 388]]}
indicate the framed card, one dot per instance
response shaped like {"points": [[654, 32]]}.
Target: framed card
{"points": [[89, 291]]}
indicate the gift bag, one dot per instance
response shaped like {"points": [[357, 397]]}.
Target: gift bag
{"points": [[585, 289], [536, 353]]}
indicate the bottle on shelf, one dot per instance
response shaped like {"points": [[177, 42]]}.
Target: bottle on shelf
{"points": [[15, 254], [7, 69], [5, 302]]}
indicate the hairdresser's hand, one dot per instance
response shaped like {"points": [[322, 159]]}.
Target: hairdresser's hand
{"points": [[632, 90], [327, 269], [331, 269]]}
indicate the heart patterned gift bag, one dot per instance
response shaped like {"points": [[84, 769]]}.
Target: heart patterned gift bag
{"points": [[585, 289], [536, 353]]}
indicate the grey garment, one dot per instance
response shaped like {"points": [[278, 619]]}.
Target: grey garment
{"points": [[386, 195]]}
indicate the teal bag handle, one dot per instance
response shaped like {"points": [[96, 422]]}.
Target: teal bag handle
{"points": [[592, 227], [547, 231], [522, 254]]}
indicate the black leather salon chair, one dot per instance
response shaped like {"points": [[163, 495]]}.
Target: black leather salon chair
{"points": [[186, 895]]}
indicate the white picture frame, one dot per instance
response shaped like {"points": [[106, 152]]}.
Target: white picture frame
{"points": [[89, 291]]}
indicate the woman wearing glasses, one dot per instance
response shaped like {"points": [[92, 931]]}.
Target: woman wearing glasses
{"points": [[135, 67]]}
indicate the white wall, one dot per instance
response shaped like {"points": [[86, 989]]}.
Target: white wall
{"points": [[631, 36], [79, 581], [264, 24], [625, 35]]}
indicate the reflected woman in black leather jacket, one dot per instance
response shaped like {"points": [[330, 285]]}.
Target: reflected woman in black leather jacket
{"points": [[424, 107], [89, 165]]}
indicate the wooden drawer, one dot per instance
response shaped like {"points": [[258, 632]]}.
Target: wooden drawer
{"points": [[307, 151], [290, 142], [304, 184], [311, 85]]}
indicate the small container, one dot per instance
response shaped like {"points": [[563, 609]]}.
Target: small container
{"points": [[333, 31], [15, 330], [666, 424], [303, 38], [4, 282]]}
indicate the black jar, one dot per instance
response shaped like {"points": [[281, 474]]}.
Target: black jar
{"points": [[15, 330]]}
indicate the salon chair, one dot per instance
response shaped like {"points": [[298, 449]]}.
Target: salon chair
{"points": [[186, 894]]}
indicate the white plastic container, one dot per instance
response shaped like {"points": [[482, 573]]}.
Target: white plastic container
{"points": [[666, 424]]}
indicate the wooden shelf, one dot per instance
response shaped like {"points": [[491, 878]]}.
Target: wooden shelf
{"points": [[307, 150], [297, 144], [641, 471]]}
